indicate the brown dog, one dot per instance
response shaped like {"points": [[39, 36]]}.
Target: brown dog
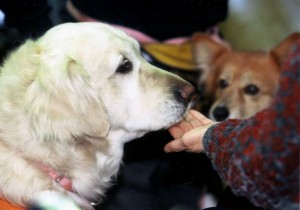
{"points": [[238, 83]]}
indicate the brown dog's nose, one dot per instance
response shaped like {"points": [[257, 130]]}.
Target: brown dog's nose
{"points": [[187, 92]]}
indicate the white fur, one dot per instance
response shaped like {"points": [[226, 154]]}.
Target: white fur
{"points": [[62, 103]]}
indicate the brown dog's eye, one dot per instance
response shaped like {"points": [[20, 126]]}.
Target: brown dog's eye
{"points": [[125, 67], [251, 90], [223, 84]]}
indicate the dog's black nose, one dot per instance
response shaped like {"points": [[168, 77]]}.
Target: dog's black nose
{"points": [[220, 113], [187, 92]]}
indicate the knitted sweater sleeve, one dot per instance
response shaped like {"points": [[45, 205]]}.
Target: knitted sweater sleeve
{"points": [[259, 157]]}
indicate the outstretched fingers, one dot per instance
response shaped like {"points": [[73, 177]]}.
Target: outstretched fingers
{"points": [[190, 141], [188, 133]]}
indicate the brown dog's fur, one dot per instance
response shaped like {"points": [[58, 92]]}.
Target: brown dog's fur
{"points": [[238, 83]]}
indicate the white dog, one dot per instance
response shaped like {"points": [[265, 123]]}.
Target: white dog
{"points": [[68, 103]]}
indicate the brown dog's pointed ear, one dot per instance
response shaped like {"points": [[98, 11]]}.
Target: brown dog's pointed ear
{"points": [[282, 50], [205, 50]]}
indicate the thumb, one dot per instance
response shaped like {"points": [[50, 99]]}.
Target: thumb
{"points": [[191, 141], [174, 146]]}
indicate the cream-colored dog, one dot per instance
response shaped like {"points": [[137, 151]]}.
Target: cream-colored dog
{"points": [[68, 103]]}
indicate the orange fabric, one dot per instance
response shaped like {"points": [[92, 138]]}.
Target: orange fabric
{"points": [[5, 205]]}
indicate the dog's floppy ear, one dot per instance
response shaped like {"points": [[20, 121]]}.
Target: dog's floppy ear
{"points": [[282, 50], [91, 110], [61, 102], [205, 50]]}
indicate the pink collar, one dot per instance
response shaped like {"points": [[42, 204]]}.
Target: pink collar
{"points": [[60, 179]]}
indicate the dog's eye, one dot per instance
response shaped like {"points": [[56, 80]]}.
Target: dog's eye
{"points": [[125, 67], [223, 84], [251, 90]]}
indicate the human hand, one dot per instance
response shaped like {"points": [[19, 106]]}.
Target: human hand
{"points": [[188, 133]]}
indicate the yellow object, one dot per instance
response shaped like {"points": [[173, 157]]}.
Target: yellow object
{"points": [[173, 55]]}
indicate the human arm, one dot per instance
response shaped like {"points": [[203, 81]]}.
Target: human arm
{"points": [[259, 157]]}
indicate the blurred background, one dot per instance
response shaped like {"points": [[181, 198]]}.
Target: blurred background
{"points": [[260, 24], [253, 25]]}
